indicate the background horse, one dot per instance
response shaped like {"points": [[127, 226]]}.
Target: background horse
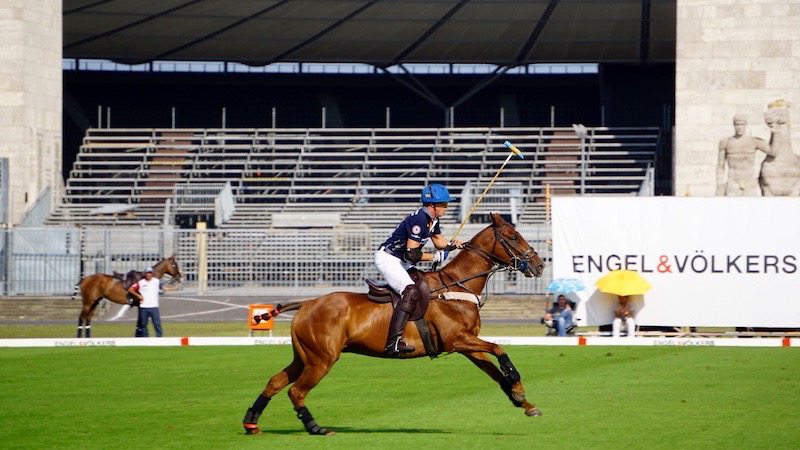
{"points": [[325, 327], [98, 286]]}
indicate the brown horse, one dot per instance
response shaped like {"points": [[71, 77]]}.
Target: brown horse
{"points": [[339, 322], [98, 286]]}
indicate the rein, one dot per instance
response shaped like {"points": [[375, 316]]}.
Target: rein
{"points": [[518, 261]]}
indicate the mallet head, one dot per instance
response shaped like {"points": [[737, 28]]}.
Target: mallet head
{"points": [[514, 149]]}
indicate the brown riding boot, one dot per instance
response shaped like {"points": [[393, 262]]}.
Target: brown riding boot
{"points": [[394, 342]]}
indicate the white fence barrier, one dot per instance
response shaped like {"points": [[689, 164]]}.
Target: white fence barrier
{"points": [[50, 261], [501, 340]]}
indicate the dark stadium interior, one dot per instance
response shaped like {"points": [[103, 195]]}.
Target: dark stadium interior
{"points": [[619, 95]]}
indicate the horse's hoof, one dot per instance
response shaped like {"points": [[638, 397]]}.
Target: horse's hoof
{"points": [[321, 432], [251, 428], [533, 412]]}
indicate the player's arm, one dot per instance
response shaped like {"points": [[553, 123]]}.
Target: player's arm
{"points": [[439, 241], [414, 253]]}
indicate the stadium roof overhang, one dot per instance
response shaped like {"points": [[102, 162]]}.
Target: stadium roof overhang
{"points": [[506, 33]]}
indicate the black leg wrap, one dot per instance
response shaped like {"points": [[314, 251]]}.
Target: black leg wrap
{"points": [[506, 386], [308, 421], [511, 373], [261, 402], [251, 417], [250, 421]]}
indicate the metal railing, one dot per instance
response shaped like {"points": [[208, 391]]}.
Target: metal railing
{"points": [[50, 261]]}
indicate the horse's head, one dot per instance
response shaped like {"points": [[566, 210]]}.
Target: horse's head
{"points": [[171, 267], [507, 247]]}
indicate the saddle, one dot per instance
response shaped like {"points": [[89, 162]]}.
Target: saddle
{"points": [[381, 292], [128, 279]]}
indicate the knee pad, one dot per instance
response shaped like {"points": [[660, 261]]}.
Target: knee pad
{"points": [[408, 299]]}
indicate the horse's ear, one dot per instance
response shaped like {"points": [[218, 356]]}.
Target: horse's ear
{"points": [[496, 219]]}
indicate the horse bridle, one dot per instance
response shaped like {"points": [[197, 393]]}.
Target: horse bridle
{"points": [[518, 261]]}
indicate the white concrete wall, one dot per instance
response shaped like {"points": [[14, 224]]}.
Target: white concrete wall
{"points": [[30, 98], [733, 56]]}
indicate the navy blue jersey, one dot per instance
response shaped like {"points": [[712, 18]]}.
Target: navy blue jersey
{"points": [[414, 227]]}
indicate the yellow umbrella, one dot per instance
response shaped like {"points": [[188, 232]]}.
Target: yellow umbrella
{"points": [[623, 282]]}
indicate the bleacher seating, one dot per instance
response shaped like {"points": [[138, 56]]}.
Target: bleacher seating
{"points": [[368, 176]]}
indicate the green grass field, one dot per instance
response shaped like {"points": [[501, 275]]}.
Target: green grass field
{"points": [[591, 397]]}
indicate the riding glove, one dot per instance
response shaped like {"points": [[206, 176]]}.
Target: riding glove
{"points": [[440, 256]]}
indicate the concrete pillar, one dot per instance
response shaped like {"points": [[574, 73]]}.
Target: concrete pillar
{"points": [[732, 56], [30, 99]]}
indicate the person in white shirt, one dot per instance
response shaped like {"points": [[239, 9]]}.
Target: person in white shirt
{"points": [[146, 290]]}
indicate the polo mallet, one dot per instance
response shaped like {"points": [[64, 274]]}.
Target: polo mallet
{"points": [[513, 151]]}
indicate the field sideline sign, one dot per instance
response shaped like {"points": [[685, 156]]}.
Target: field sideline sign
{"points": [[500, 340], [713, 261]]}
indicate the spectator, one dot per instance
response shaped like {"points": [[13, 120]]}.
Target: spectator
{"points": [[623, 318], [559, 316], [146, 290]]}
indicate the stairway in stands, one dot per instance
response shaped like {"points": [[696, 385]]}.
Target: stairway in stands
{"points": [[557, 165], [169, 158]]}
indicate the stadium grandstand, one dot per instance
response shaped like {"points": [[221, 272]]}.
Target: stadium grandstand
{"points": [[239, 178]]}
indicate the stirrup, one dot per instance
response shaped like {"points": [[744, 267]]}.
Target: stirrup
{"points": [[397, 347]]}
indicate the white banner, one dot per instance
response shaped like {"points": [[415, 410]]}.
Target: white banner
{"points": [[500, 340], [715, 261]]}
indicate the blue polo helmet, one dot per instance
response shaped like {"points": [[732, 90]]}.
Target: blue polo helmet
{"points": [[435, 193]]}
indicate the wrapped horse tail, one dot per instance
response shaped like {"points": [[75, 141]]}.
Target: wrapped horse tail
{"points": [[278, 309]]}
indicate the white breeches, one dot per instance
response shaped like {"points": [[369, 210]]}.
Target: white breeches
{"points": [[394, 271]]}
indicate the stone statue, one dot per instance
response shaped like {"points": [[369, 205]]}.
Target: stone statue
{"points": [[780, 171], [739, 152]]}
